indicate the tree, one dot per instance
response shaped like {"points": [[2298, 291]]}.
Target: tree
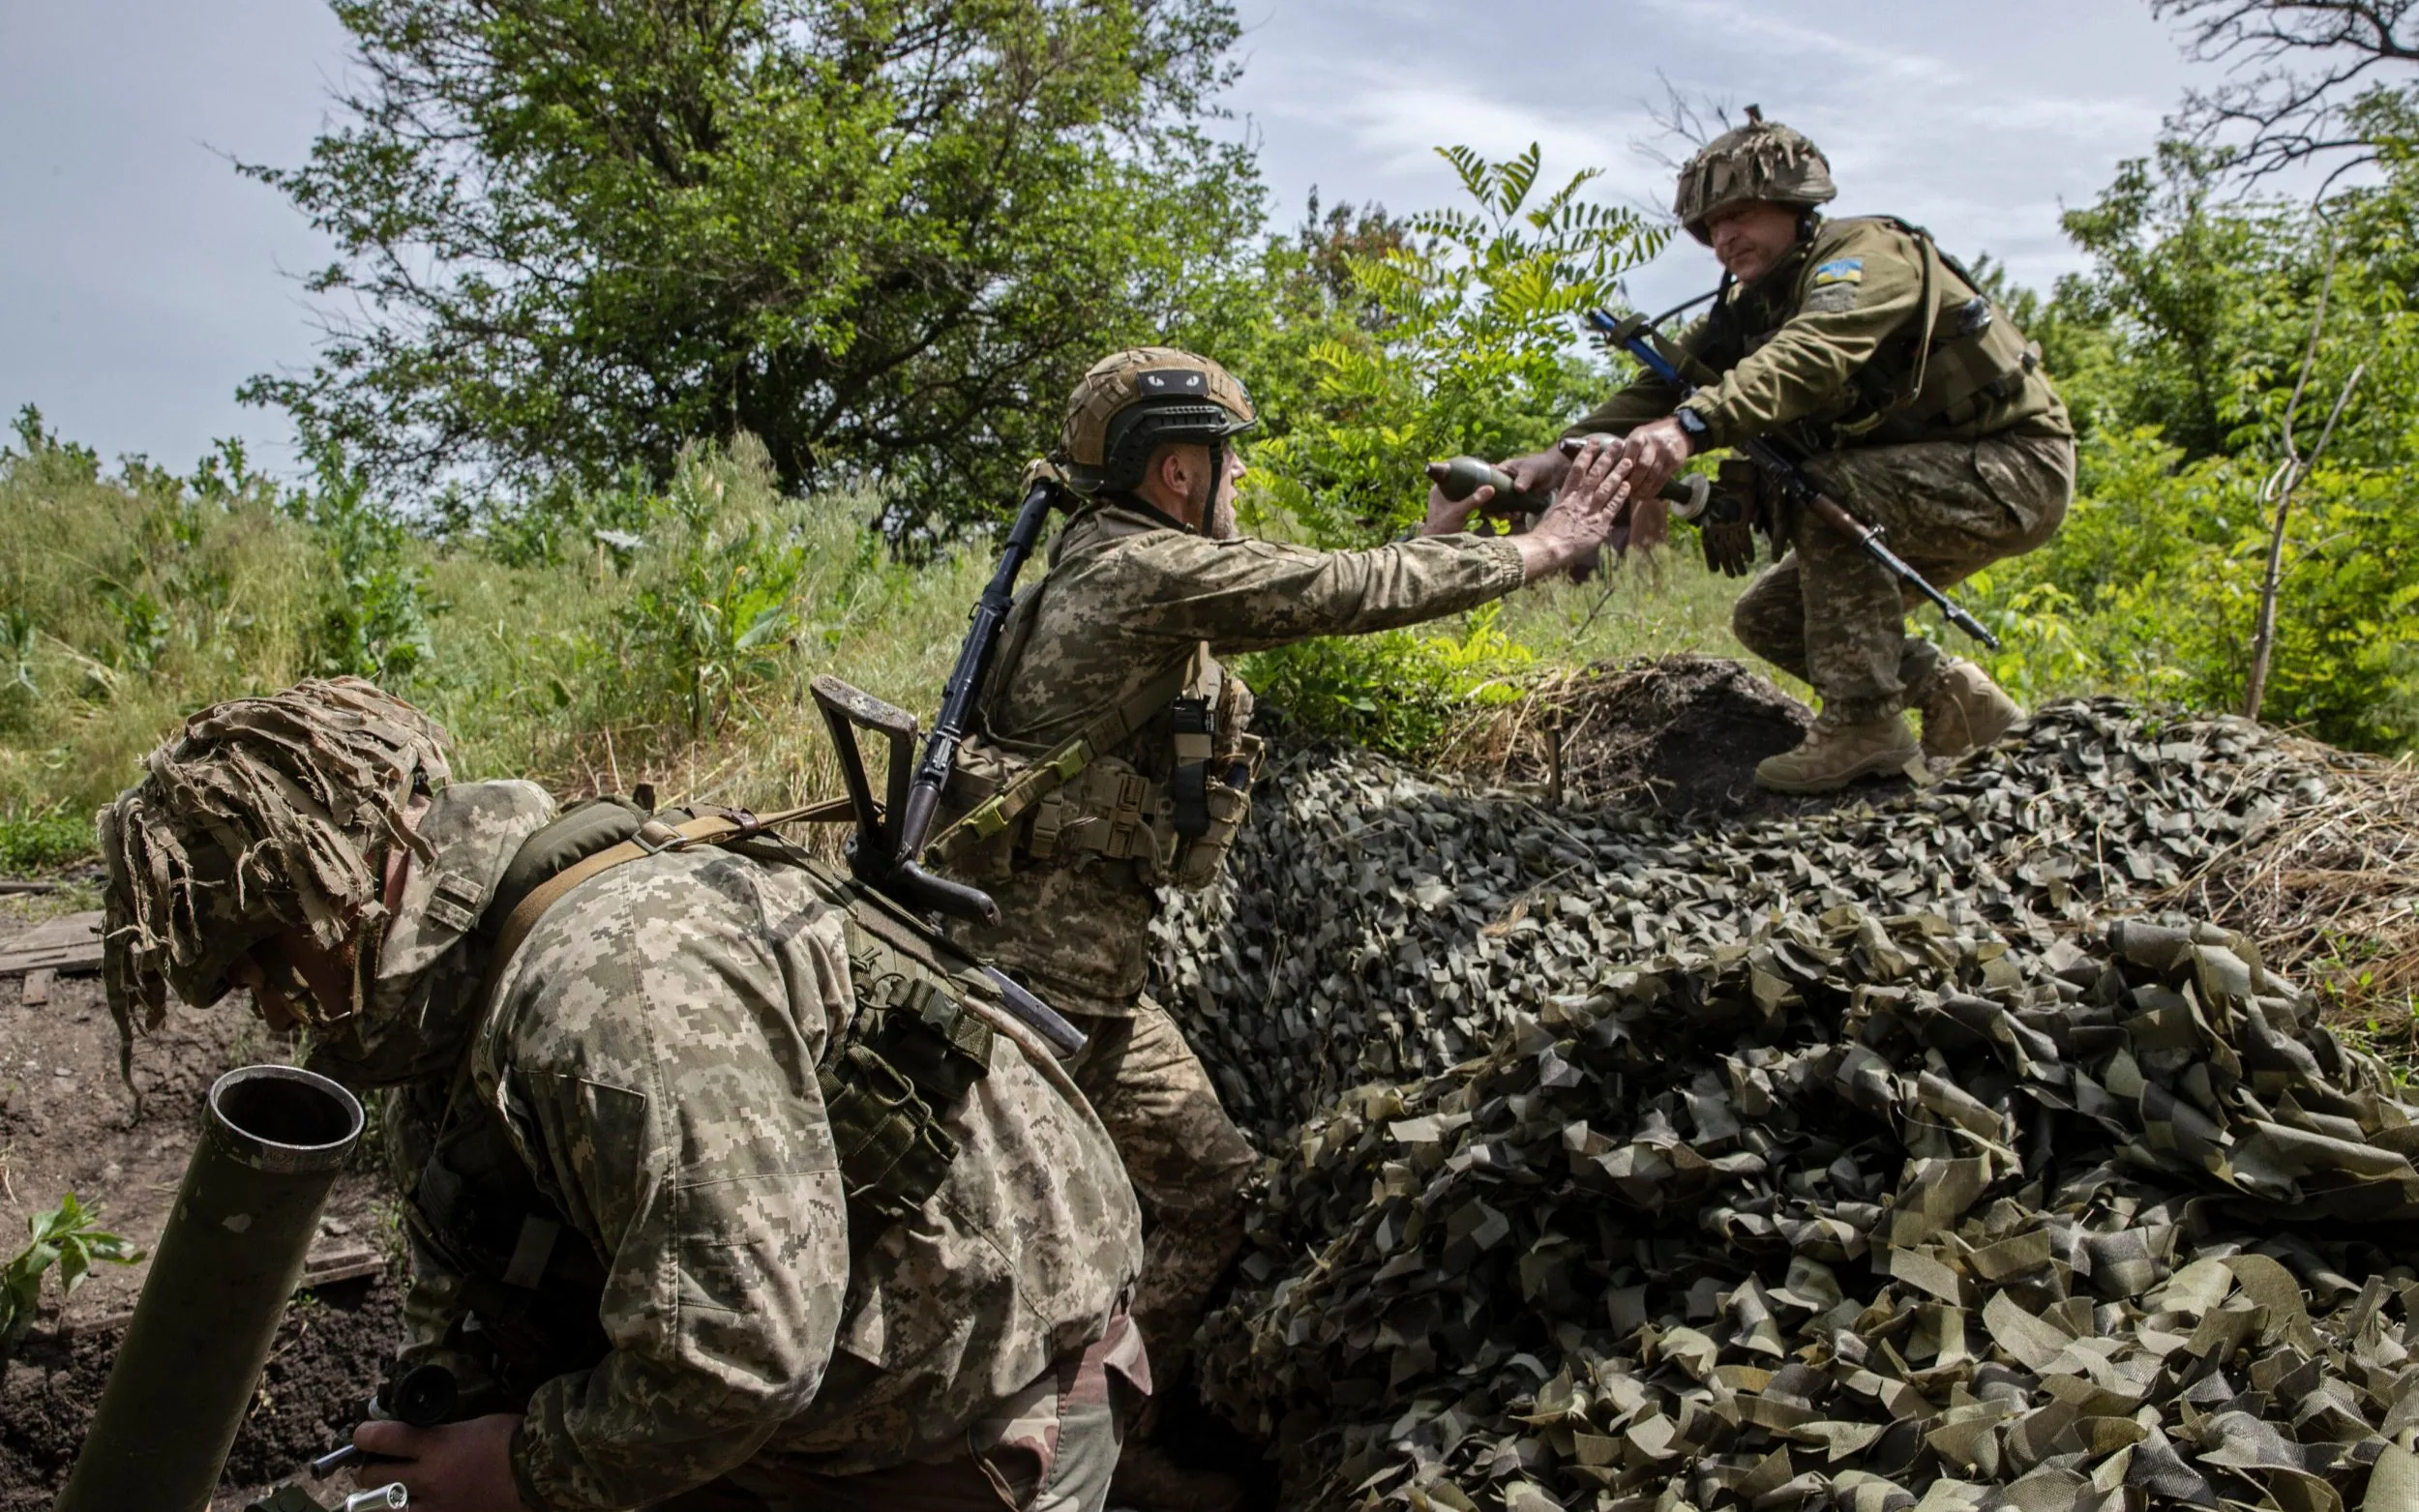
{"points": [[1459, 335], [883, 236], [2176, 284], [2313, 80]]}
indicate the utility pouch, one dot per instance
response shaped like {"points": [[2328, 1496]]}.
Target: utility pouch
{"points": [[1227, 804], [894, 1154], [912, 1054], [1188, 785]]}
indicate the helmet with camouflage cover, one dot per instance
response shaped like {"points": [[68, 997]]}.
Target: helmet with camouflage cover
{"points": [[1762, 160], [1141, 399], [261, 815]]}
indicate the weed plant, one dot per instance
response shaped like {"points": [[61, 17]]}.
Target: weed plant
{"points": [[69, 1237]]}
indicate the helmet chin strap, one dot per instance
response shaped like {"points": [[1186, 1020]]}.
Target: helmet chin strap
{"points": [[1209, 490]]}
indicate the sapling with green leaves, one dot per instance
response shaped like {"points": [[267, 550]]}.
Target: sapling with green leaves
{"points": [[68, 1236]]}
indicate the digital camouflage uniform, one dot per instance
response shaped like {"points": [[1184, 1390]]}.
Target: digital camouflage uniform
{"points": [[1810, 349], [1127, 599], [649, 1072]]}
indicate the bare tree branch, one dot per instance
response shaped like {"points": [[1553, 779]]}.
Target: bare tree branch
{"points": [[1677, 118], [2299, 72], [2278, 490]]}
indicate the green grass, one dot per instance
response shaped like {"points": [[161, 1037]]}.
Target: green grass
{"points": [[663, 639], [38, 842]]}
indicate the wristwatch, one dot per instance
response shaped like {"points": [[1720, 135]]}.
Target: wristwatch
{"points": [[1693, 425]]}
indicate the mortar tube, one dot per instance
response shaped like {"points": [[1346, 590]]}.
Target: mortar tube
{"points": [[273, 1138]]}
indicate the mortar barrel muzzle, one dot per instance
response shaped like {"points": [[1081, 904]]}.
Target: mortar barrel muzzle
{"points": [[273, 1138]]}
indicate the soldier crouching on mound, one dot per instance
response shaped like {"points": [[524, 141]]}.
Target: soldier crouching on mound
{"points": [[1110, 758], [648, 1131], [1920, 407]]}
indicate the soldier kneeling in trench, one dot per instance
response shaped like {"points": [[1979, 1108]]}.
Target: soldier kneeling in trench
{"points": [[1111, 756], [648, 1131]]}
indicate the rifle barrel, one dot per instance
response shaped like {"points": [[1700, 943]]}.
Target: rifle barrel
{"points": [[966, 685]]}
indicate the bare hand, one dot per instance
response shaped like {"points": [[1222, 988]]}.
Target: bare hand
{"points": [[458, 1467], [1539, 473], [1655, 451], [1449, 516], [1583, 513], [1645, 525]]}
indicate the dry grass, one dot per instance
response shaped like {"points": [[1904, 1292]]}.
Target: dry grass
{"points": [[2331, 892]]}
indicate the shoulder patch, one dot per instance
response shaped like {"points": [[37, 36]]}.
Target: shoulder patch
{"points": [[1840, 270], [1832, 298]]}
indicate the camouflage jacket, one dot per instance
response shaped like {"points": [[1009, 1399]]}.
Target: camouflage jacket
{"points": [[1125, 600], [1812, 341], [651, 1053]]}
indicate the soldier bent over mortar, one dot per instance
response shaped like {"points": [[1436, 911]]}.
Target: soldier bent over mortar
{"points": [[729, 1190]]}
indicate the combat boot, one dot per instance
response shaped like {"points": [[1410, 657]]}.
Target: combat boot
{"points": [[1834, 753], [1962, 709]]}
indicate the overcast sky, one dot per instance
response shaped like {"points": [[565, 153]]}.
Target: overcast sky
{"points": [[141, 280]]}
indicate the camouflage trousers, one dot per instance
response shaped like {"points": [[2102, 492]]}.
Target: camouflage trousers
{"points": [[1050, 1447], [1829, 613], [1189, 1165]]}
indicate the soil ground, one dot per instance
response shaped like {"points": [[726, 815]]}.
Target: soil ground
{"points": [[66, 1124], [1677, 734]]}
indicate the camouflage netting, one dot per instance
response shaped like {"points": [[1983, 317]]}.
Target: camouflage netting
{"points": [[1844, 1161]]}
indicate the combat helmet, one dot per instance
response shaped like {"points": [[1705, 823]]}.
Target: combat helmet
{"points": [[1143, 398], [1762, 160], [261, 814]]}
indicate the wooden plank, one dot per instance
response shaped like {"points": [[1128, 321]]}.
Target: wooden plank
{"points": [[329, 1268], [324, 1268], [38, 988], [69, 944]]}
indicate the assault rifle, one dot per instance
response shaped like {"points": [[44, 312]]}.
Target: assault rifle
{"points": [[1787, 472], [887, 851]]}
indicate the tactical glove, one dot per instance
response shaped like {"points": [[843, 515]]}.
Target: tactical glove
{"points": [[1735, 512], [1729, 546]]}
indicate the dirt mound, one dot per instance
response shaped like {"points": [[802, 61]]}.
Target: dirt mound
{"points": [[324, 1365], [1680, 734]]}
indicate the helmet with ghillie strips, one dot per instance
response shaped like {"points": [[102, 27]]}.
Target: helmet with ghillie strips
{"points": [[1142, 398], [263, 815], [1762, 160]]}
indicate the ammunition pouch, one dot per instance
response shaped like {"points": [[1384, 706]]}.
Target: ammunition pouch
{"points": [[1963, 359], [914, 1053], [1022, 807]]}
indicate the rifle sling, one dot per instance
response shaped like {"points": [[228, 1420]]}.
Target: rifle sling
{"points": [[1112, 729], [653, 836]]}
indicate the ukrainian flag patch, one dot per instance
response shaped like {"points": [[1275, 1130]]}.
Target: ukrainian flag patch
{"points": [[1840, 270]]}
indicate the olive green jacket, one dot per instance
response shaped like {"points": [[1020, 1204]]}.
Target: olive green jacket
{"points": [[1827, 341]]}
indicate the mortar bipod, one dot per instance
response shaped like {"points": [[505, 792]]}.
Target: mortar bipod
{"points": [[875, 851]]}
